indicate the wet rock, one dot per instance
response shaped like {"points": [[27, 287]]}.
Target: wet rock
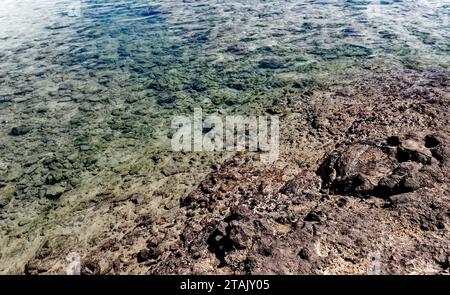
{"points": [[425, 225], [237, 221], [166, 100], [199, 86], [236, 49], [5, 100], [132, 99], [271, 63], [42, 110]]}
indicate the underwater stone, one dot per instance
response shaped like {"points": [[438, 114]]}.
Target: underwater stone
{"points": [[271, 63], [236, 49], [42, 110], [20, 130], [116, 112], [131, 99], [166, 100], [198, 86]]}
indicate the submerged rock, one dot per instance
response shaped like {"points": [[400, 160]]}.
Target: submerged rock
{"points": [[271, 63], [20, 130]]}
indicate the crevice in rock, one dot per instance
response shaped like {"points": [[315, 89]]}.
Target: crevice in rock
{"points": [[220, 245]]}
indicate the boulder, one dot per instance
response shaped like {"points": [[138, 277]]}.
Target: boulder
{"points": [[383, 168]]}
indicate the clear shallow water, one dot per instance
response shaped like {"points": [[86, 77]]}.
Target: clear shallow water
{"points": [[96, 83]]}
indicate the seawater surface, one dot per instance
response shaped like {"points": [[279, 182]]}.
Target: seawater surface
{"points": [[88, 90]]}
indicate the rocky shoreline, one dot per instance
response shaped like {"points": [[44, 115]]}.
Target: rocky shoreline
{"points": [[363, 174]]}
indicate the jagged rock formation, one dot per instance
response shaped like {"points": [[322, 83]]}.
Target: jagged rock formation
{"points": [[374, 196], [362, 186]]}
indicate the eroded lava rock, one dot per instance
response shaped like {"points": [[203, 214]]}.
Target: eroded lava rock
{"points": [[399, 164]]}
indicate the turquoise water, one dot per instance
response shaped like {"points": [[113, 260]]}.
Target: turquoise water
{"points": [[93, 85]]}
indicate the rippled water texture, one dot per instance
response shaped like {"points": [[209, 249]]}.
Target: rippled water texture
{"points": [[88, 88]]}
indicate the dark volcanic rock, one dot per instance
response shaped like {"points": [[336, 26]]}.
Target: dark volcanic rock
{"points": [[291, 187], [312, 217], [271, 63], [376, 168], [147, 254], [90, 267]]}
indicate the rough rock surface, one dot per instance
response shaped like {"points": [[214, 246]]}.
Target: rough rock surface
{"points": [[361, 186], [370, 194], [387, 167]]}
